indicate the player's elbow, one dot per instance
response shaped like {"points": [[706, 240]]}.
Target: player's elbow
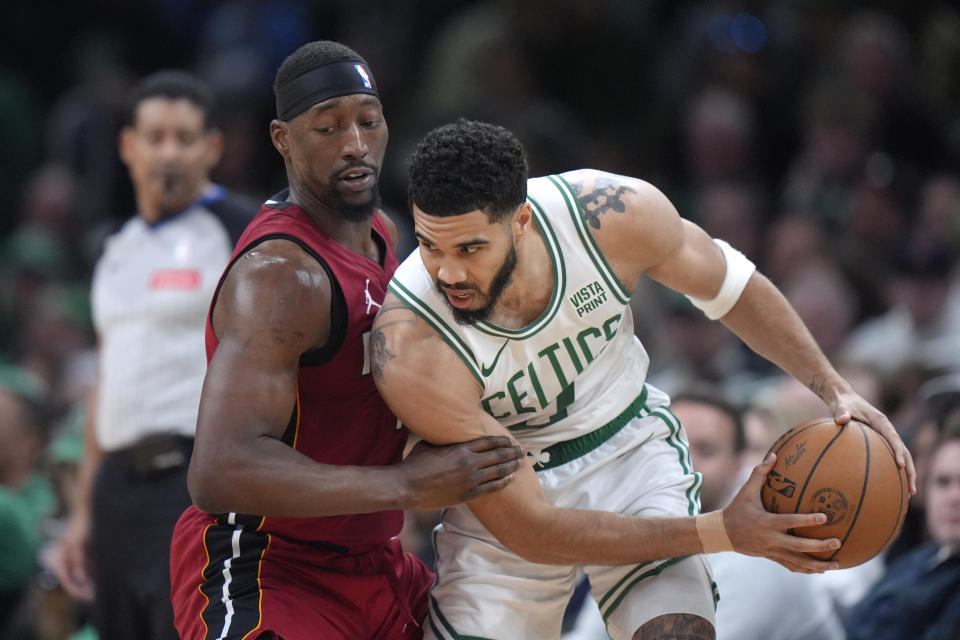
{"points": [[205, 488]]}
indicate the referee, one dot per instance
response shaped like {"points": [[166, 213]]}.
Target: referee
{"points": [[151, 290]]}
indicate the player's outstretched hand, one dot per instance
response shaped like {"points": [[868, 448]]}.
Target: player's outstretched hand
{"points": [[441, 476], [756, 532]]}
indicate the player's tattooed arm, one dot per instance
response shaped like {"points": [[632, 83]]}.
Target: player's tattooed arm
{"points": [[818, 385], [598, 196], [380, 354]]}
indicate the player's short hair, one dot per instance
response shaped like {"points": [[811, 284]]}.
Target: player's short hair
{"points": [[312, 55], [174, 84], [708, 396], [467, 166]]}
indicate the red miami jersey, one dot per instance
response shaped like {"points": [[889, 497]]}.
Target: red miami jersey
{"points": [[340, 417]]}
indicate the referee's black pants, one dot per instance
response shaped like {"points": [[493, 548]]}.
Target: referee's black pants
{"points": [[134, 512]]}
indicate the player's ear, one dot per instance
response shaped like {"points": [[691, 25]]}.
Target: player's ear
{"points": [[279, 135], [522, 219]]}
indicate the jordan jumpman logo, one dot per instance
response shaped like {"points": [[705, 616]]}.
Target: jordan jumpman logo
{"points": [[368, 299]]}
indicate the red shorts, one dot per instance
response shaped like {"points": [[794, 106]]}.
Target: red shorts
{"points": [[232, 583]]}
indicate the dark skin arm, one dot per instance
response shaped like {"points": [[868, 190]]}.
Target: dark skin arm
{"points": [[273, 306]]}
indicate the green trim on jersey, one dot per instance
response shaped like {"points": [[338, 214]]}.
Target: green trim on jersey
{"points": [[589, 242], [683, 451], [430, 317], [559, 284], [445, 629], [645, 571], [563, 452], [438, 622]]}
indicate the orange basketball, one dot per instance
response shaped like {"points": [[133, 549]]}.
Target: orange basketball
{"points": [[847, 472]]}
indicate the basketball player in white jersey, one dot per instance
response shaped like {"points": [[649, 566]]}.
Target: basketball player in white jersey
{"points": [[513, 318]]}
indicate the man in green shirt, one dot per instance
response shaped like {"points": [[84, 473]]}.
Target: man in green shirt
{"points": [[26, 496]]}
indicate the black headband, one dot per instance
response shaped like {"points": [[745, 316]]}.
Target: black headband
{"points": [[322, 83]]}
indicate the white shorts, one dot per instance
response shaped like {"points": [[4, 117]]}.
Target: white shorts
{"points": [[485, 591]]}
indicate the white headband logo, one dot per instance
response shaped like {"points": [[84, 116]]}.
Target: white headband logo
{"points": [[364, 76]]}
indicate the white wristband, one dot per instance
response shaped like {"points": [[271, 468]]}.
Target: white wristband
{"points": [[739, 270]]}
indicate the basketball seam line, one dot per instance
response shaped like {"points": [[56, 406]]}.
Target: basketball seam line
{"points": [[806, 481], [863, 490]]}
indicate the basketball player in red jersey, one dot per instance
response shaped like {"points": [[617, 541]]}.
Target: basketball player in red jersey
{"points": [[296, 477]]}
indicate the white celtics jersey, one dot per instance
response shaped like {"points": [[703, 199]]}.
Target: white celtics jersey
{"points": [[576, 367]]}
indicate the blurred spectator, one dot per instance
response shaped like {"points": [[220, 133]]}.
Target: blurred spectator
{"points": [[875, 222], [83, 122], [48, 204], [693, 348], [875, 54], [824, 301], [26, 497], [830, 158], [794, 608], [792, 242], [30, 260], [760, 429], [719, 137], [939, 210], [480, 52], [151, 291], [938, 399], [19, 120], [919, 594], [732, 211], [920, 330]]}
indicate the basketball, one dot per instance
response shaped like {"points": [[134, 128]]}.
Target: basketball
{"points": [[846, 472]]}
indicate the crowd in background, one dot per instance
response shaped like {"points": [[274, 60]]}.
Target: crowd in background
{"points": [[820, 137]]}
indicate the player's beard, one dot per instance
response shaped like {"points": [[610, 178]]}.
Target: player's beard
{"points": [[499, 283], [352, 212], [355, 212]]}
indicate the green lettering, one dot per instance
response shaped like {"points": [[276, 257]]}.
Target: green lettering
{"points": [[535, 382], [486, 404], [573, 355], [554, 362], [518, 397], [582, 341], [608, 330], [564, 400]]}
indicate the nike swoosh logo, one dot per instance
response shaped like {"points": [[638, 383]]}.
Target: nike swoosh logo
{"points": [[487, 371]]}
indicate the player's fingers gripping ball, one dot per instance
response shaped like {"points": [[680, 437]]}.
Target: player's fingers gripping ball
{"points": [[847, 472]]}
